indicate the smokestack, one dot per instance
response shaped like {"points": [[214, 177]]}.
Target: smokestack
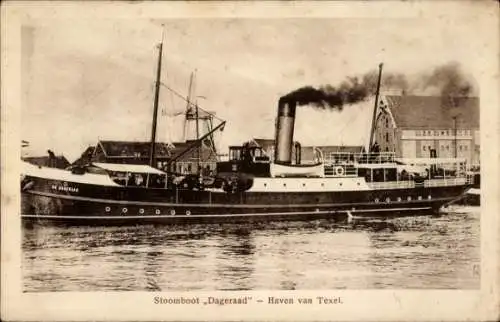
{"points": [[285, 123]]}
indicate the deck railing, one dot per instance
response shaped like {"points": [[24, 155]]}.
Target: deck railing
{"points": [[445, 182], [392, 185], [340, 170], [348, 157]]}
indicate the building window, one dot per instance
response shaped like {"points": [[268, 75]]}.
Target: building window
{"points": [[386, 137], [436, 133], [423, 147], [386, 122], [460, 147], [447, 148], [447, 132], [465, 147], [442, 132]]}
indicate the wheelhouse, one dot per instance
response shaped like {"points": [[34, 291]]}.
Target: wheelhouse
{"points": [[247, 153]]}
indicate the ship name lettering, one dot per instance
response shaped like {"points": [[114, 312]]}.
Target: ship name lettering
{"points": [[224, 301], [64, 188], [329, 300], [278, 300]]}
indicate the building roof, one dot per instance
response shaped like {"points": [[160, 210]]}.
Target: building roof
{"points": [[85, 157], [433, 111], [131, 148], [207, 154], [264, 143], [59, 161], [128, 149], [341, 148], [307, 152]]}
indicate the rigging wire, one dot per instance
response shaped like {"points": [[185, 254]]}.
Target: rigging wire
{"points": [[189, 102]]}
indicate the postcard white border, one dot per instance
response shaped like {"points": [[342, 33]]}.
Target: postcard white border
{"points": [[358, 305]]}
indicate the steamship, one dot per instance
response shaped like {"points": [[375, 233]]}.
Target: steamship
{"points": [[250, 186]]}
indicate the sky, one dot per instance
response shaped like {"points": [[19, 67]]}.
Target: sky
{"points": [[90, 79]]}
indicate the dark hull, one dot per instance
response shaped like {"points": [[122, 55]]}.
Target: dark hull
{"points": [[471, 200], [85, 204]]}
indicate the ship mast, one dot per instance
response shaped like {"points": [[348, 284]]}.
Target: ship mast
{"points": [[188, 105], [152, 161], [198, 150], [372, 131]]}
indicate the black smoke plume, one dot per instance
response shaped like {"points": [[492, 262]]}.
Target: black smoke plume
{"points": [[450, 82], [447, 81], [351, 91]]}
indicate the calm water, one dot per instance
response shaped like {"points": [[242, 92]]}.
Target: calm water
{"points": [[402, 253]]}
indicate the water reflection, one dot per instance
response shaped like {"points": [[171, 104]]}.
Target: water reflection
{"points": [[236, 259], [151, 269], [407, 253]]}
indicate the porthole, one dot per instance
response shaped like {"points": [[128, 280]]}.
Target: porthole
{"points": [[419, 197], [340, 184], [387, 199], [399, 199], [172, 212], [157, 211], [359, 184], [108, 209], [408, 198], [284, 185], [188, 213], [141, 211], [124, 210], [303, 185], [376, 200], [265, 184], [322, 184], [429, 197]]}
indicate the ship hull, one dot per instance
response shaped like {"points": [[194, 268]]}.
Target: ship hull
{"points": [[83, 204]]}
